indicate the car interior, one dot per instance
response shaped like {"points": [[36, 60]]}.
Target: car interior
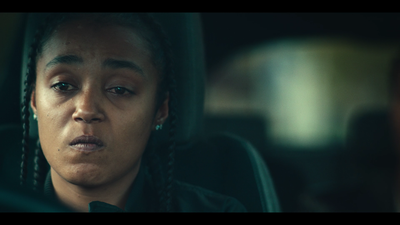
{"points": [[255, 122]]}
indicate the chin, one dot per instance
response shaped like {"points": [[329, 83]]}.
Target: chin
{"points": [[89, 176]]}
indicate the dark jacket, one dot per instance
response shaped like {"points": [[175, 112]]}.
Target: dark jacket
{"points": [[143, 198]]}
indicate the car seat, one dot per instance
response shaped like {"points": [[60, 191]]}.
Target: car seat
{"points": [[369, 165], [225, 164]]}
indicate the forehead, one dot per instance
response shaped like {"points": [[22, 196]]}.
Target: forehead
{"points": [[88, 36]]}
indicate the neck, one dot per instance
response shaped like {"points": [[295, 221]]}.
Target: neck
{"points": [[78, 197]]}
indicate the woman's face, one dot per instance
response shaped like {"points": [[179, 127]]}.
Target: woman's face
{"points": [[95, 101]]}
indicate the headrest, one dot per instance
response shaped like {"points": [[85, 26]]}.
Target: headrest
{"points": [[371, 139], [184, 31]]}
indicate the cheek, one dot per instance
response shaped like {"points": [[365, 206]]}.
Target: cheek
{"points": [[132, 129], [52, 125], [52, 119]]}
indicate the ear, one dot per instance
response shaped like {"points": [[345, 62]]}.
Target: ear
{"points": [[162, 113], [33, 102]]}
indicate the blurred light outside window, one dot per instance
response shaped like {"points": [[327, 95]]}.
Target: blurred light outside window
{"points": [[305, 88]]}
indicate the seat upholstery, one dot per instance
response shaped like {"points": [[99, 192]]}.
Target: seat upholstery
{"points": [[371, 139], [230, 165], [225, 164]]}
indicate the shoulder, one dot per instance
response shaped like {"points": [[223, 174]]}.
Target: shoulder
{"points": [[190, 198]]}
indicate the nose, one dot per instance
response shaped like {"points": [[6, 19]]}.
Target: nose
{"points": [[88, 107]]}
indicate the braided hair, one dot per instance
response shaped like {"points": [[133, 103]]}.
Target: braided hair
{"points": [[159, 45]]}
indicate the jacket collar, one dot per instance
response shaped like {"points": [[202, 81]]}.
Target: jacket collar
{"points": [[136, 200]]}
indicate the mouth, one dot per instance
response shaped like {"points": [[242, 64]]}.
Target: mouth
{"points": [[87, 143]]}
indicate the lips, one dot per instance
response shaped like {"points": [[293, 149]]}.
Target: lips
{"points": [[87, 143]]}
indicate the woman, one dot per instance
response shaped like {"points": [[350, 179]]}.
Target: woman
{"points": [[99, 85]]}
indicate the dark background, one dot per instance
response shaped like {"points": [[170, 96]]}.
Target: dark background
{"points": [[225, 33]]}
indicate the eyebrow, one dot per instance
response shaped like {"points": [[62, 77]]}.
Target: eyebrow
{"points": [[108, 63], [122, 64], [64, 59]]}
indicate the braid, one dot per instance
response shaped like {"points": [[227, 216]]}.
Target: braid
{"points": [[28, 82], [167, 83], [153, 166], [172, 144], [25, 136], [166, 201], [25, 108], [39, 168]]}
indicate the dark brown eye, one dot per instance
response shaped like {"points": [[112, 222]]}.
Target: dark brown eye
{"points": [[120, 91], [63, 87]]}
